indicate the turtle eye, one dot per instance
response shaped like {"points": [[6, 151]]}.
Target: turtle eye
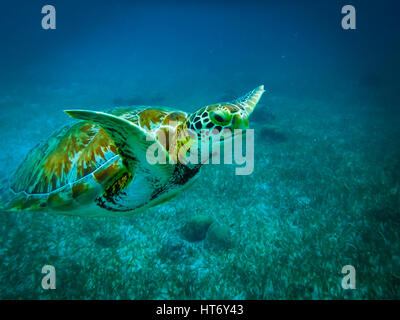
{"points": [[221, 117]]}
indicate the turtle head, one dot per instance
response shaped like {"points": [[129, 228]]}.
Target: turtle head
{"points": [[228, 115]]}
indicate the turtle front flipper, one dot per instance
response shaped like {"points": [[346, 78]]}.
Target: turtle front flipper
{"points": [[145, 177], [250, 100], [131, 140]]}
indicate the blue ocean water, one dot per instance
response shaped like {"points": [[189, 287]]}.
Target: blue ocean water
{"points": [[325, 191]]}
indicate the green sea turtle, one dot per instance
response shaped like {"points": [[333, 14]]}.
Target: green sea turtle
{"points": [[100, 166]]}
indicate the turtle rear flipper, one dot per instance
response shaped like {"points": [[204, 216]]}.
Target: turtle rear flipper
{"points": [[11, 201]]}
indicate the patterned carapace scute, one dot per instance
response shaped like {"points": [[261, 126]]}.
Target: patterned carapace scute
{"points": [[69, 155]]}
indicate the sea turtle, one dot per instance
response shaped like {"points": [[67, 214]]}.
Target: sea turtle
{"points": [[100, 166]]}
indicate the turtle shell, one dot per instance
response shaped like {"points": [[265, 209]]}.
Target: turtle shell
{"points": [[79, 161]]}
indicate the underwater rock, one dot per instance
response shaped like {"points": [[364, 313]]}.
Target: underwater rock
{"points": [[196, 228], [218, 237]]}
